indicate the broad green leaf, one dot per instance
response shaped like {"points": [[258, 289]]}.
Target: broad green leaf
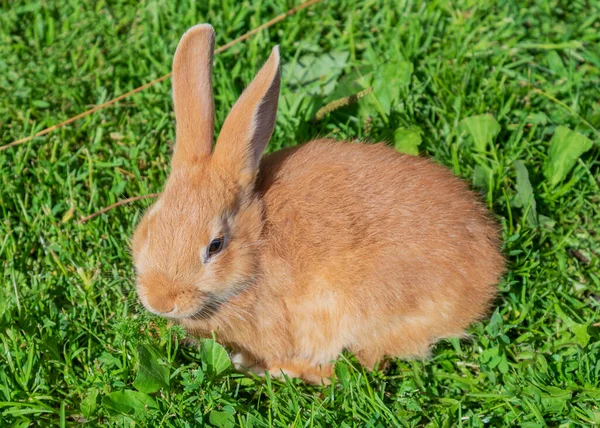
{"points": [[407, 140], [554, 399], [593, 393], [130, 403], [342, 373], [455, 344], [554, 405], [495, 325], [88, 404], [555, 63], [387, 83], [538, 118], [579, 330], [581, 334], [566, 147], [109, 361], [594, 119], [541, 363], [151, 375], [546, 222], [245, 381], [40, 104], [482, 177], [525, 193], [490, 374], [535, 410], [553, 391], [350, 84], [222, 419], [316, 75], [483, 129], [489, 356], [215, 357], [503, 365], [68, 215]]}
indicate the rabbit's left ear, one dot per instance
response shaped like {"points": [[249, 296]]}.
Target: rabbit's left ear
{"points": [[248, 128], [192, 95]]}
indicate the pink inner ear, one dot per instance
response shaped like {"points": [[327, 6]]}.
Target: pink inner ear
{"points": [[249, 126], [264, 120]]}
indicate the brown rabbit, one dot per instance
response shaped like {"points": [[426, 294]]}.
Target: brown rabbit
{"points": [[313, 250]]}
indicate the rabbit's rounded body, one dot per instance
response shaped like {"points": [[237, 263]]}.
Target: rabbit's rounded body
{"points": [[361, 249], [312, 250]]}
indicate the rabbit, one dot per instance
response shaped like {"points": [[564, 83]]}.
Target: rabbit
{"points": [[291, 258]]}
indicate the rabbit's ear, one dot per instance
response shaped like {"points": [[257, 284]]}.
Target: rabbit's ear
{"points": [[192, 94], [249, 126]]}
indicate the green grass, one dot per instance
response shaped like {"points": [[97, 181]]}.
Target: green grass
{"points": [[72, 331]]}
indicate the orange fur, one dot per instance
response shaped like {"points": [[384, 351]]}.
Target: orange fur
{"points": [[330, 245]]}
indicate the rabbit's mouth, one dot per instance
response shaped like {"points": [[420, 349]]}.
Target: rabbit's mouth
{"points": [[208, 309]]}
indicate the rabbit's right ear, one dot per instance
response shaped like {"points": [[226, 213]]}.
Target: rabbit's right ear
{"points": [[192, 94], [248, 128]]}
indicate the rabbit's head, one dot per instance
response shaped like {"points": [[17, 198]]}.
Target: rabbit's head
{"points": [[197, 246]]}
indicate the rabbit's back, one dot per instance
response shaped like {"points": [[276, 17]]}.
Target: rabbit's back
{"points": [[385, 237]]}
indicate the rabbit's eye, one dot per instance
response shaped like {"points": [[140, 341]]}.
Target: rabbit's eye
{"points": [[216, 246]]}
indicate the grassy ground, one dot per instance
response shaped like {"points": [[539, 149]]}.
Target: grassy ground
{"points": [[76, 345]]}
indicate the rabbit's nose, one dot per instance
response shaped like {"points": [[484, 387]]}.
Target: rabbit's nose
{"points": [[161, 302], [157, 293]]}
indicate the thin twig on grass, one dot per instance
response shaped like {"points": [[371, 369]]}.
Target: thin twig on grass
{"points": [[160, 79], [117, 204], [141, 88]]}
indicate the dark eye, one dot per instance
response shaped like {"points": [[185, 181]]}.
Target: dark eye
{"points": [[215, 246]]}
